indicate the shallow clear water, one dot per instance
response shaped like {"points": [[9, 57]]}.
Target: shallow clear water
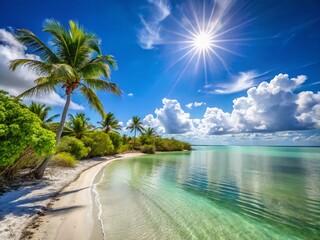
{"points": [[214, 193]]}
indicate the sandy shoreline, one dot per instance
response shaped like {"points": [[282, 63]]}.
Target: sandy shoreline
{"points": [[44, 211]]}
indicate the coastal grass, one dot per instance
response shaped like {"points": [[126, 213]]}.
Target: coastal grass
{"points": [[64, 159]]}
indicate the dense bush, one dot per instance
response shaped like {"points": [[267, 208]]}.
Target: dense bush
{"points": [[99, 143], [73, 146], [147, 140], [64, 159], [147, 149], [166, 144], [124, 148], [116, 140], [21, 129]]}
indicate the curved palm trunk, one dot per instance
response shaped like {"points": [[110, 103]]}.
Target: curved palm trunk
{"points": [[39, 171], [134, 139], [63, 118]]}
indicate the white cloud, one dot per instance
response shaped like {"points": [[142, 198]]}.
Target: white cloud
{"points": [[151, 121], [270, 107], [22, 79], [149, 34], [195, 104], [309, 108], [173, 118], [130, 94], [239, 83]]}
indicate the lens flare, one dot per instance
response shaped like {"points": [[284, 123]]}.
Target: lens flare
{"points": [[202, 41], [205, 35]]}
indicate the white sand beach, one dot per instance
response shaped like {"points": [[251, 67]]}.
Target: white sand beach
{"points": [[59, 207]]}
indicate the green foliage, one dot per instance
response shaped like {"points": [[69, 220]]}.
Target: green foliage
{"points": [[135, 125], [124, 148], [99, 143], [64, 159], [110, 123], [20, 129], [77, 126], [166, 144], [116, 140], [73, 146], [74, 62], [42, 111], [145, 139], [148, 149]]}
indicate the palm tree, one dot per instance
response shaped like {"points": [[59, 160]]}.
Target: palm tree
{"points": [[77, 126], [150, 132], [42, 111], [135, 125], [74, 63], [110, 123]]}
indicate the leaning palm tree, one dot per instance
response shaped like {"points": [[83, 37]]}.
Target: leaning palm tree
{"points": [[135, 125], [110, 123], [42, 111], [77, 126], [74, 63]]}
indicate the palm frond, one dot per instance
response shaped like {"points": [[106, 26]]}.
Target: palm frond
{"points": [[92, 99], [99, 84], [50, 119], [64, 71], [108, 59], [94, 69], [36, 45], [39, 67], [61, 39], [94, 44], [40, 89]]}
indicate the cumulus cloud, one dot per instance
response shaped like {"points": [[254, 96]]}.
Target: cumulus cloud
{"points": [[270, 107], [173, 118], [195, 104], [151, 121], [22, 79], [149, 34]]}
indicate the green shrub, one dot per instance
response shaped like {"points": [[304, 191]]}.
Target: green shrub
{"points": [[147, 140], [166, 144], [124, 148], [73, 146], [64, 159], [99, 143], [116, 140], [147, 149], [21, 129]]}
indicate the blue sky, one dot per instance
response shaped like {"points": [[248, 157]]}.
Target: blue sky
{"points": [[203, 99]]}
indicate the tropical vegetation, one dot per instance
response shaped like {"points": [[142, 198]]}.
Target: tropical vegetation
{"points": [[110, 123], [28, 134], [20, 131], [42, 112], [137, 126], [74, 63], [80, 139]]}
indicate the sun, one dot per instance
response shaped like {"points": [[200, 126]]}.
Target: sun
{"points": [[202, 41]]}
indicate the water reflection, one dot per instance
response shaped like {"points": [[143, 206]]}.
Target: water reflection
{"points": [[271, 191]]}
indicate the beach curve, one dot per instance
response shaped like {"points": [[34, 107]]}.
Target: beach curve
{"points": [[73, 213]]}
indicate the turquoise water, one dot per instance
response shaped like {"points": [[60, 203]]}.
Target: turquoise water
{"points": [[214, 193]]}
